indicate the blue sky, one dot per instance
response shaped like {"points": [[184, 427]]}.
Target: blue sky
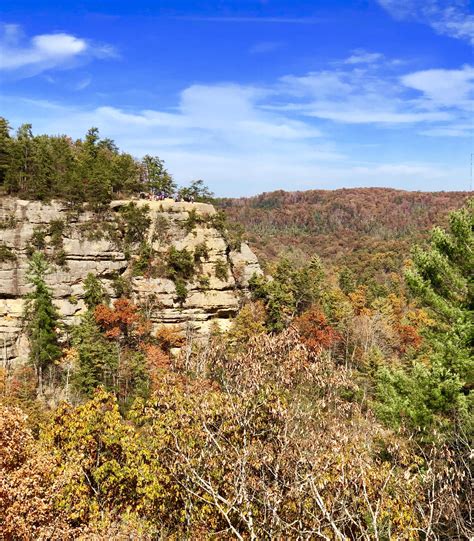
{"points": [[251, 95]]}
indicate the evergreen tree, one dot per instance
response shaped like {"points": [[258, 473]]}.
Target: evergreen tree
{"points": [[347, 281], [41, 316], [126, 174], [95, 168], [97, 356], [291, 291], [6, 144], [20, 177], [440, 390], [94, 292], [155, 175], [89, 170], [197, 191]]}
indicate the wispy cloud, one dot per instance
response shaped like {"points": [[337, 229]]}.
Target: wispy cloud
{"points": [[444, 87], [258, 153], [256, 137], [452, 18], [360, 56], [83, 83], [367, 95], [243, 19], [263, 47], [25, 57]]}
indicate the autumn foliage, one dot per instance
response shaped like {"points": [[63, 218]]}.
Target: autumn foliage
{"points": [[315, 332], [123, 320], [329, 409]]}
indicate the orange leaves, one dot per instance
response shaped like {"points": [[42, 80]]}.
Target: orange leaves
{"points": [[14, 438], [29, 483], [169, 337], [358, 300], [121, 321], [156, 362], [314, 330]]}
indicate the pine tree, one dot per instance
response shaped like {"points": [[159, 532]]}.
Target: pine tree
{"points": [[437, 387], [6, 143], [41, 317], [21, 168], [97, 357], [94, 292]]}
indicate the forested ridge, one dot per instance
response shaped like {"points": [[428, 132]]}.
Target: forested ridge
{"points": [[338, 405], [367, 232]]}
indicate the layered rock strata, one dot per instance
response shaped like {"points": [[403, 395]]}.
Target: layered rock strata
{"points": [[77, 245]]}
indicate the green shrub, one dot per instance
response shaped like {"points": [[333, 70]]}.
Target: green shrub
{"points": [[201, 252], [191, 221], [145, 256], [38, 239], [9, 222], [180, 264], [56, 231], [233, 235], [54, 246], [134, 223], [60, 257], [122, 286], [204, 282], [92, 230], [221, 270], [6, 254], [181, 290], [161, 231]]}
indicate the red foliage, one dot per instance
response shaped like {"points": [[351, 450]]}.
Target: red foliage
{"points": [[314, 330], [409, 337], [21, 384]]}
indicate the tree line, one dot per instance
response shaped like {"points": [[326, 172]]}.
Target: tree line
{"points": [[90, 170]]}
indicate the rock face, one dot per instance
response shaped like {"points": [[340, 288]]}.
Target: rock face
{"points": [[77, 245]]}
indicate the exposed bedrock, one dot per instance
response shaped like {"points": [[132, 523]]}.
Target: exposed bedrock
{"points": [[82, 243]]}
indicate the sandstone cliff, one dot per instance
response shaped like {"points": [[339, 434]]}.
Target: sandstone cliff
{"points": [[78, 243]]}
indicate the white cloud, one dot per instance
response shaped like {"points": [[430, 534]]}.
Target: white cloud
{"points": [[361, 96], [453, 130], [320, 84], [249, 138], [217, 132], [352, 113], [443, 87], [360, 56], [452, 18], [26, 57]]}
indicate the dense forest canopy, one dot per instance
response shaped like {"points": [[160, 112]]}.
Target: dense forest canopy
{"points": [[365, 233]]}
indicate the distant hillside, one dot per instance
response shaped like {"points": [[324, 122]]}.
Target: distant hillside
{"points": [[349, 227]]}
